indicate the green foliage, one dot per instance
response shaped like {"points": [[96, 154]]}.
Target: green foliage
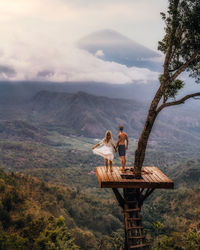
{"points": [[182, 35], [180, 241], [172, 89], [32, 209], [55, 236], [12, 241]]}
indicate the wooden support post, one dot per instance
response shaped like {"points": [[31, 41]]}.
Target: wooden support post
{"points": [[131, 203], [119, 198], [135, 192]]}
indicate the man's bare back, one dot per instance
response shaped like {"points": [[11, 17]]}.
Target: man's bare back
{"points": [[122, 138]]}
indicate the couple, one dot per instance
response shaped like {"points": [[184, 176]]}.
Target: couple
{"points": [[106, 151]]}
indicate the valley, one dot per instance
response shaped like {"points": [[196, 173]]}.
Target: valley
{"points": [[44, 143]]}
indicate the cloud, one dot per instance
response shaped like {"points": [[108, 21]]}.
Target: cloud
{"points": [[68, 64], [6, 72], [99, 53], [37, 38]]}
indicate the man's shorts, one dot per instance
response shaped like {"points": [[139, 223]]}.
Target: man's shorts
{"points": [[122, 150]]}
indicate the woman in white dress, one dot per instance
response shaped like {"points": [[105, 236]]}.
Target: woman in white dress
{"points": [[106, 149]]}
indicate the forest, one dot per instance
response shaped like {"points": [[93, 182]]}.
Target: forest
{"points": [[50, 196]]}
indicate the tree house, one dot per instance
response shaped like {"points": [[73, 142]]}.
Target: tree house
{"points": [[135, 191]]}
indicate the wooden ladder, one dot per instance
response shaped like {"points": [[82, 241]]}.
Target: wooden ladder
{"points": [[134, 229]]}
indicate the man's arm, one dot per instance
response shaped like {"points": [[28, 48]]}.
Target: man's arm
{"points": [[126, 142]]}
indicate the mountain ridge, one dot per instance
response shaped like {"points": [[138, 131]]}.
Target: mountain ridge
{"points": [[89, 115], [110, 45]]}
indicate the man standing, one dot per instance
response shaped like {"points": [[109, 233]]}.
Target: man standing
{"points": [[122, 145]]}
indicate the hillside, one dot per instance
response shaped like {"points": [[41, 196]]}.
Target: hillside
{"points": [[37, 215], [89, 115], [22, 131], [34, 215], [83, 114]]}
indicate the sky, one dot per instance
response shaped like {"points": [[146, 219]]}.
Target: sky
{"points": [[40, 37]]}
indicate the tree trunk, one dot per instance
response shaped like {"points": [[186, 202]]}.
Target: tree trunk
{"points": [[143, 140]]}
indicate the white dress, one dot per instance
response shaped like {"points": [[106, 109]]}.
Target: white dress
{"points": [[105, 149]]}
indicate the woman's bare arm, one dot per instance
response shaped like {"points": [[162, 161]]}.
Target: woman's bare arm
{"points": [[97, 145]]}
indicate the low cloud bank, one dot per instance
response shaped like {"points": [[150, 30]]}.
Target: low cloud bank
{"points": [[66, 64]]}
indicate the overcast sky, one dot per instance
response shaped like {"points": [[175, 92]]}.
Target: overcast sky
{"points": [[40, 36]]}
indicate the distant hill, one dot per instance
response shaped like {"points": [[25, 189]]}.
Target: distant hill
{"points": [[187, 173], [89, 115], [22, 131], [12, 92], [110, 45], [86, 114]]}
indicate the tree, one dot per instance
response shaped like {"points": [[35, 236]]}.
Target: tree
{"points": [[181, 47]]}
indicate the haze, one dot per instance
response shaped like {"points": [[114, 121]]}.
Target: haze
{"points": [[41, 36]]}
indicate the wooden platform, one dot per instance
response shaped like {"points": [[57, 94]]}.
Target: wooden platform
{"points": [[152, 177]]}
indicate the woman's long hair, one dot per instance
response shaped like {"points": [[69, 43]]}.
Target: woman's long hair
{"points": [[108, 136]]}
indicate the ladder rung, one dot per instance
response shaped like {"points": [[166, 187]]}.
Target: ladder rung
{"points": [[135, 227], [133, 218], [136, 237], [141, 245], [131, 210]]}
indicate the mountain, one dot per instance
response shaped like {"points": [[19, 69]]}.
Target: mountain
{"points": [[89, 115], [12, 92], [110, 45], [85, 114]]}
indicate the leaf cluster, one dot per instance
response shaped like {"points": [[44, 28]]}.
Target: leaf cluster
{"points": [[182, 241], [182, 35], [172, 89]]}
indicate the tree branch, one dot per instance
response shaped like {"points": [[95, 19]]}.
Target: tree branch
{"points": [[180, 101], [172, 70], [169, 49], [182, 68]]}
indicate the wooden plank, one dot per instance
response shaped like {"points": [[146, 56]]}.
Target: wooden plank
{"points": [[108, 178], [134, 185], [117, 177], [100, 175], [154, 178], [147, 178], [138, 246], [167, 179], [108, 175], [164, 177], [137, 237], [158, 176], [104, 177], [104, 174]]}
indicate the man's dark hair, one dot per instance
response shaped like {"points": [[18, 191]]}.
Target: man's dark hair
{"points": [[121, 128]]}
